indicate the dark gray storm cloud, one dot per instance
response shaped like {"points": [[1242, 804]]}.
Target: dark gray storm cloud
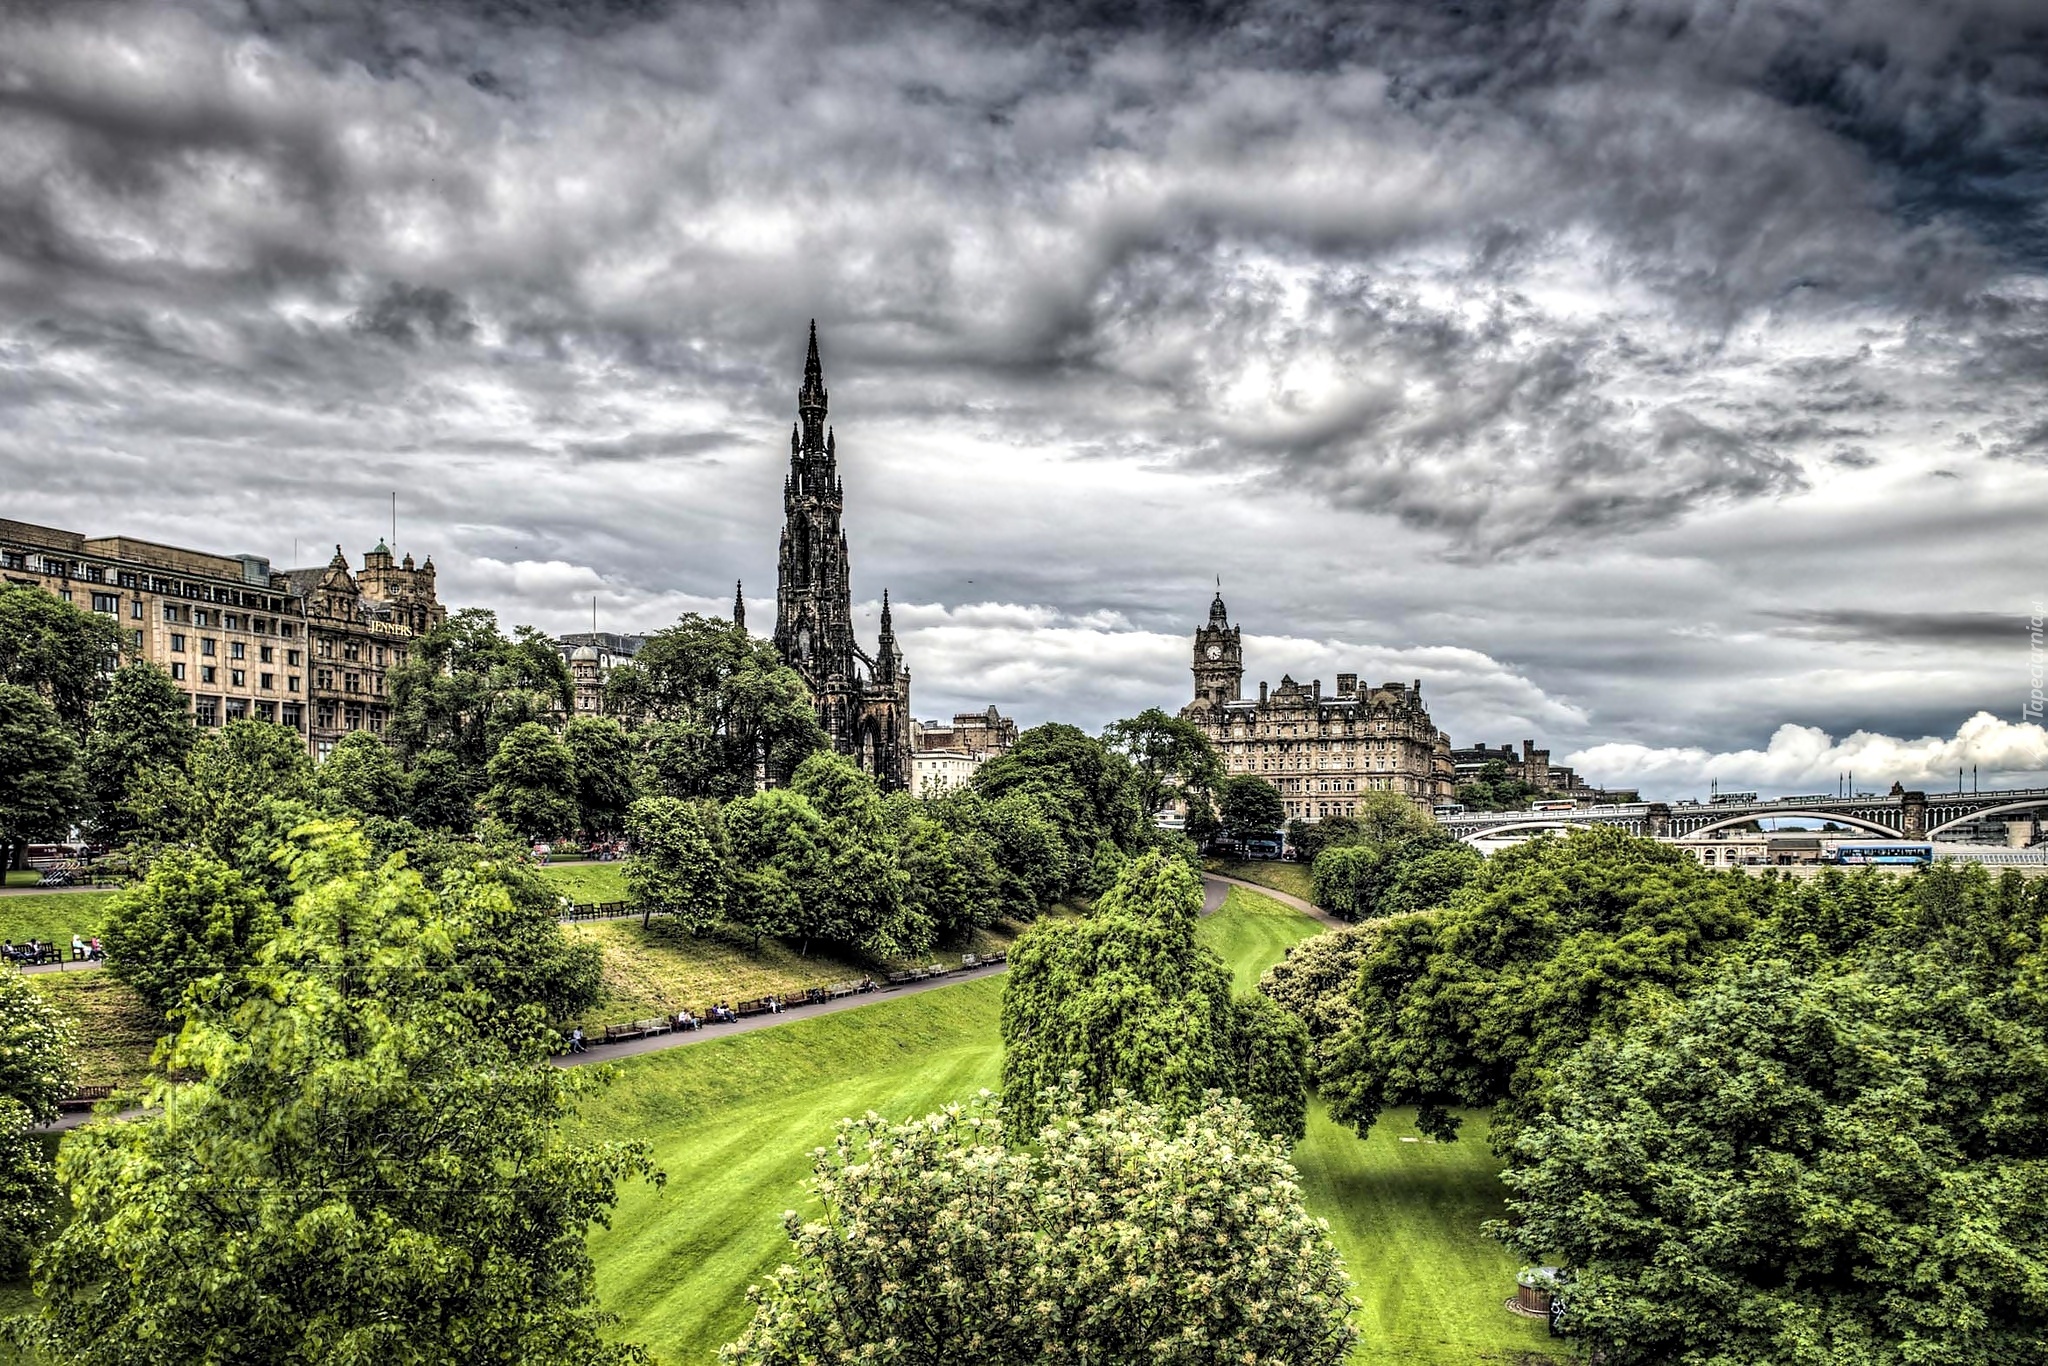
{"points": [[1560, 336]]}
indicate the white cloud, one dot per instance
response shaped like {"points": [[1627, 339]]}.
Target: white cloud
{"points": [[1808, 759]]}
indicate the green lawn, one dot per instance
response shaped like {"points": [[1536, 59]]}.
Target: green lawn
{"points": [[1252, 933], [53, 916], [113, 1030], [1291, 878], [733, 1123], [588, 883]]}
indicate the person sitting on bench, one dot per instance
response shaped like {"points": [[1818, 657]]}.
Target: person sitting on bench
{"points": [[576, 1044]]}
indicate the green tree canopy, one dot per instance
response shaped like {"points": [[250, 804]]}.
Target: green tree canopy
{"points": [[1129, 1001], [1554, 940], [465, 686], [1249, 805], [1119, 1236], [41, 791], [1833, 1150], [361, 777], [950, 875], [36, 1070], [56, 651], [678, 864], [143, 722], [191, 919], [441, 794], [606, 782], [218, 796], [1172, 757], [1088, 791], [718, 706], [533, 782], [1497, 788], [358, 1174]]}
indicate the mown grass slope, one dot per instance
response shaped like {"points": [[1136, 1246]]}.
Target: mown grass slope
{"points": [[52, 916], [734, 1123], [1294, 879]]}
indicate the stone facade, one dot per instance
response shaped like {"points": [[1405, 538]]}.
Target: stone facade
{"points": [[304, 648], [591, 657], [1319, 749], [863, 700], [946, 754]]}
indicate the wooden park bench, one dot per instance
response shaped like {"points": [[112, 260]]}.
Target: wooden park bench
{"points": [[757, 1006], [84, 1097], [999, 956], [638, 1029], [897, 979]]}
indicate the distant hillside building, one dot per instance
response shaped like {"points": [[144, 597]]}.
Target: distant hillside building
{"points": [[304, 648], [591, 657], [946, 755], [1533, 766], [1319, 749]]}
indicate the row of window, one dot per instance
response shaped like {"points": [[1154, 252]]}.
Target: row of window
{"points": [[227, 621], [213, 711], [265, 654], [128, 578], [237, 678]]}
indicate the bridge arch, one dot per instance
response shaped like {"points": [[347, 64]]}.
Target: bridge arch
{"points": [[1841, 818], [1552, 823], [2030, 804]]}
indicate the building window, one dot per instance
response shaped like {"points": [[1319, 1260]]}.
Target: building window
{"points": [[178, 670], [376, 721], [206, 645], [170, 612], [350, 650], [287, 630], [354, 713], [135, 610], [178, 642], [229, 621], [323, 715], [293, 658], [291, 683], [206, 673], [294, 716], [350, 683], [206, 711], [267, 711], [380, 654], [238, 709], [322, 750], [267, 653], [236, 650], [199, 616], [267, 681], [326, 649], [323, 679], [135, 640], [238, 678]]}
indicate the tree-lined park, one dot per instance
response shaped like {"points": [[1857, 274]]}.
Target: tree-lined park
{"points": [[1746, 1120]]}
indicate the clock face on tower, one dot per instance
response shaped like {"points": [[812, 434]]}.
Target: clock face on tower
{"points": [[1215, 652]]}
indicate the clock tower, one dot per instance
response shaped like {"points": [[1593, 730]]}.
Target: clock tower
{"points": [[1219, 662]]}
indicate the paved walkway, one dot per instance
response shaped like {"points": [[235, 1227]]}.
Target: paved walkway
{"points": [[1307, 908]]}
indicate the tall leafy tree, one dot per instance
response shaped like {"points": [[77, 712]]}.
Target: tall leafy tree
{"points": [[678, 864], [356, 1174], [1123, 1235], [720, 708], [950, 875], [604, 761], [1249, 805], [56, 651], [193, 918], [861, 897], [361, 777], [441, 794], [1090, 792], [465, 686], [36, 1071], [1171, 755], [1129, 1001], [218, 797], [1495, 788], [533, 782], [41, 792], [143, 722]]}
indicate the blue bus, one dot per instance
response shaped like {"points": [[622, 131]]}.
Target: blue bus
{"points": [[1269, 845], [1908, 855]]}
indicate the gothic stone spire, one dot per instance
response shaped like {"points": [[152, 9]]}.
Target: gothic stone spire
{"points": [[739, 605]]}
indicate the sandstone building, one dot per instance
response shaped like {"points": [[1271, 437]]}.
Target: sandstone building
{"points": [[946, 754], [863, 700], [304, 648], [1319, 749]]}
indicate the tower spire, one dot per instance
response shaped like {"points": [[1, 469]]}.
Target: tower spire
{"points": [[739, 605]]}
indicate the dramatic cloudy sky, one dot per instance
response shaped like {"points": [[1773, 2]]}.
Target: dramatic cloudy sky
{"points": [[1666, 379]]}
